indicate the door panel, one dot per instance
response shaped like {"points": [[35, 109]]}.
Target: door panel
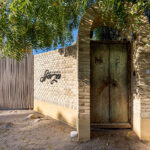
{"points": [[109, 82], [118, 84], [100, 90]]}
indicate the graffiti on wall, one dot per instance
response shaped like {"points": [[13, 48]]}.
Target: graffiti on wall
{"points": [[54, 75]]}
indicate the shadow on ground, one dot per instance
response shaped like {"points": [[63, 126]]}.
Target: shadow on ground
{"points": [[49, 134]]}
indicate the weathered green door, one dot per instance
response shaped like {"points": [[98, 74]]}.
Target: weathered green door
{"points": [[109, 84]]}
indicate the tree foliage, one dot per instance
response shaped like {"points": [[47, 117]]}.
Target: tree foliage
{"points": [[39, 24]]}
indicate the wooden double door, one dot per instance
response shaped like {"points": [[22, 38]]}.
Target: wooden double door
{"points": [[110, 105]]}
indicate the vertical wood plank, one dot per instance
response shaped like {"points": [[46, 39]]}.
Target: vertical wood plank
{"points": [[119, 84], [99, 83], [16, 83]]}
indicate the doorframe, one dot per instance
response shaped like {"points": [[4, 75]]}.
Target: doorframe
{"points": [[130, 105], [129, 60]]}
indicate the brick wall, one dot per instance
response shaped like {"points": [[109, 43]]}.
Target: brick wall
{"points": [[140, 83], [65, 91], [141, 66], [73, 89]]}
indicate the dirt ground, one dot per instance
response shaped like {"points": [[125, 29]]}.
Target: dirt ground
{"points": [[19, 133]]}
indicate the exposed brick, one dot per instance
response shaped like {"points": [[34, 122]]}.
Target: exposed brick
{"points": [[65, 91]]}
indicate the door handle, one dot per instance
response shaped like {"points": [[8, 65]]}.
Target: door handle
{"points": [[105, 84], [114, 83]]}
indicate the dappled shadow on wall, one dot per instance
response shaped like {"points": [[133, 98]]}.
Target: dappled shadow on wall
{"points": [[69, 51], [61, 119]]}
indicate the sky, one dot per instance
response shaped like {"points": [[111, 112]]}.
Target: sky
{"points": [[74, 32]]}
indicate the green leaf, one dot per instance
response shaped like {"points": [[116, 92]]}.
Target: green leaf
{"points": [[41, 24], [119, 4]]}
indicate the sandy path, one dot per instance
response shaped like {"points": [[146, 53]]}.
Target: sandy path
{"points": [[49, 134]]}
